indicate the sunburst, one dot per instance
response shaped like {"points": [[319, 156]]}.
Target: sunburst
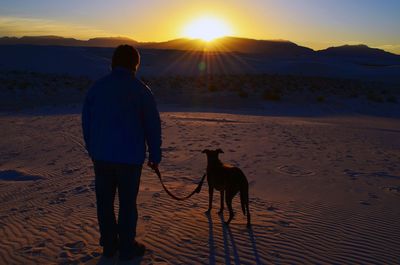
{"points": [[207, 29]]}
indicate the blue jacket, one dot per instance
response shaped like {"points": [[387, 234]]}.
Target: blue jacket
{"points": [[119, 117]]}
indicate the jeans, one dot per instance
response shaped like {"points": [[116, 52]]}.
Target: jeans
{"points": [[109, 178]]}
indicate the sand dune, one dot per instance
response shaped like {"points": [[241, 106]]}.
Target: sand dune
{"points": [[323, 191], [94, 62]]}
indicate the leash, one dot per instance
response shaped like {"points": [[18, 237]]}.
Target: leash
{"points": [[197, 190]]}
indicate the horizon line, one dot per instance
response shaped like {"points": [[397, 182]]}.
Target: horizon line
{"points": [[197, 39]]}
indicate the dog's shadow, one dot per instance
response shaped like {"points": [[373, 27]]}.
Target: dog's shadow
{"points": [[229, 242]]}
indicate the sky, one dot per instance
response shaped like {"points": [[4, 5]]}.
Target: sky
{"points": [[313, 23]]}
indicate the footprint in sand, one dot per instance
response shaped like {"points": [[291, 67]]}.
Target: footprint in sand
{"points": [[64, 255], [252, 182], [159, 260], [272, 208], [51, 163], [194, 205], [59, 199], [187, 241], [372, 196], [68, 212], [283, 223], [146, 218], [14, 175], [35, 250], [31, 251], [60, 230], [79, 190], [384, 175], [75, 247], [392, 189], [275, 254], [69, 171], [352, 174], [43, 228], [293, 170]]}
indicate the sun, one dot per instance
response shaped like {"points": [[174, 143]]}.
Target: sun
{"points": [[207, 29]]}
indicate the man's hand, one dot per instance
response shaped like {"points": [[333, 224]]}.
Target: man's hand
{"points": [[152, 165]]}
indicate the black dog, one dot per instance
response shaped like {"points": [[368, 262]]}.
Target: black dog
{"points": [[227, 180]]}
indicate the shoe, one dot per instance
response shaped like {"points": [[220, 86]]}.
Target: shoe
{"points": [[110, 248], [138, 251], [109, 252]]}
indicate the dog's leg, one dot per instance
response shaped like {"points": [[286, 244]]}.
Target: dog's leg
{"points": [[221, 209], [244, 200], [248, 209], [248, 214], [210, 199], [228, 199]]}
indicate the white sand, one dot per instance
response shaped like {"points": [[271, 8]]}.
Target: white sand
{"points": [[94, 62], [323, 191]]}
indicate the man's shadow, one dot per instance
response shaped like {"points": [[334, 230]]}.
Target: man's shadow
{"points": [[229, 240], [115, 261]]}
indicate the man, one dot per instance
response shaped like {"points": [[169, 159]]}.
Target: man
{"points": [[119, 118]]}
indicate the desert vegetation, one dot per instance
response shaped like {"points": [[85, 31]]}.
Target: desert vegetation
{"points": [[28, 89], [275, 87]]}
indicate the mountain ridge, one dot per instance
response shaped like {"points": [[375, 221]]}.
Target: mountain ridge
{"points": [[223, 44], [360, 50]]}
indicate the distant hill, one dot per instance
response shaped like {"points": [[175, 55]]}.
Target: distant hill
{"points": [[110, 42], [233, 44], [61, 41], [356, 51], [42, 40], [176, 44], [268, 47], [279, 48], [225, 44]]}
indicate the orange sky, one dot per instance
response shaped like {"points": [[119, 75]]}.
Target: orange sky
{"points": [[314, 23]]}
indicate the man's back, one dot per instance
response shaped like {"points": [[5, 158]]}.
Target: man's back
{"points": [[119, 115]]}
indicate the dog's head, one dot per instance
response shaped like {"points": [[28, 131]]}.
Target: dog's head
{"points": [[212, 155]]}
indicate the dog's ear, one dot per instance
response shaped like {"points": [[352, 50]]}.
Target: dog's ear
{"points": [[205, 151], [219, 150]]}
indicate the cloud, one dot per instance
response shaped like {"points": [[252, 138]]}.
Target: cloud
{"points": [[21, 26]]}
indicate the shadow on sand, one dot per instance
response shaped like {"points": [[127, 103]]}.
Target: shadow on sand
{"points": [[229, 243], [113, 261], [231, 253]]}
